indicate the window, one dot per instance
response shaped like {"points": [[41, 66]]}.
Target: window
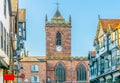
{"points": [[118, 56], [7, 44], [20, 28], [58, 39], [102, 66], [97, 47], [60, 73], [114, 57], [1, 35], [34, 68], [95, 68], [35, 79], [106, 63], [117, 79], [81, 73], [4, 39], [109, 80], [5, 8]]}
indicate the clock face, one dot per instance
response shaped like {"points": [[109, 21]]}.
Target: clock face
{"points": [[58, 48]]}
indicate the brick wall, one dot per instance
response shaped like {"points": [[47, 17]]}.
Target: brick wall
{"points": [[28, 70], [51, 41], [51, 65]]}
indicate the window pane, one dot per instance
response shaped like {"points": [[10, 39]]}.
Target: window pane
{"points": [[58, 38], [81, 73], [5, 8], [60, 73]]}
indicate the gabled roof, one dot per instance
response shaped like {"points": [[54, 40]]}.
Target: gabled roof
{"points": [[112, 23], [107, 25]]}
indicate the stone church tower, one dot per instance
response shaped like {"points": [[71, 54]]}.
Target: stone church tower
{"points": [[59, 66], [58, 35]]}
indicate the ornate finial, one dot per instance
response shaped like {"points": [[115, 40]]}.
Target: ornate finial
{"points": [[99, 16], [46, 19], [70, 19], [57, 4]]}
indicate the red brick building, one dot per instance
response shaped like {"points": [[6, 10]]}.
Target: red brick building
{"points": [[34, 69], [58, 66]]}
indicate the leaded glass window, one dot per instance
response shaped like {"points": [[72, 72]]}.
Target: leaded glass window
{"points": [[60, 73], [81, 73]]}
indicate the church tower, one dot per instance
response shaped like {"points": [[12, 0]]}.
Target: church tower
{"points": [[58, 35]]}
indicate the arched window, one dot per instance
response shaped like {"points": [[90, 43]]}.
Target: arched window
{"points": [[58, 39], [81, 73], [60, 73]]}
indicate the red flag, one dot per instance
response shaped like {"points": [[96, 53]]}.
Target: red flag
{"points": [[8, 76]]}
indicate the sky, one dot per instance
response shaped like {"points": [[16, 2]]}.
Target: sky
{"points": [[84, 15]]}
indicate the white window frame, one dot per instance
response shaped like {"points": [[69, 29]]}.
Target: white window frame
{"points": [[34, 68], [33, 79]]}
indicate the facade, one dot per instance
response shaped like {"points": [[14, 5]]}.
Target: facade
{"points": [[67, 70], [58, 36], [58, 66], [17, 37], [34, 69], [10, 49], [5, 12], [105, 60]]}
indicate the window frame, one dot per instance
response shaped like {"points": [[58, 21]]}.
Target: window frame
{"points": [[60, 73], [58, 39], [33, 78], [5, 8], [35, 68], [79, 72]]}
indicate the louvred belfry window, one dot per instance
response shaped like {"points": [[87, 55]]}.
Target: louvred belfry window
{"points": [[58, 39]]}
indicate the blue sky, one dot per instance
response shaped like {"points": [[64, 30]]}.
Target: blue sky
{"points": [[84, 15]]}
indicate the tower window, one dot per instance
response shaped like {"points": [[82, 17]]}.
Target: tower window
{"points": [[58, 39]]}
